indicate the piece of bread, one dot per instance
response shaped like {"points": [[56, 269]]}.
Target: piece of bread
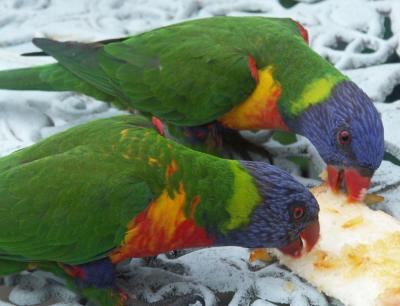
{"points": [[357, 259]]}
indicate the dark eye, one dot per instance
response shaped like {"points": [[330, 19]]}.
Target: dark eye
{"points": [[298, 212], [344, 137]]}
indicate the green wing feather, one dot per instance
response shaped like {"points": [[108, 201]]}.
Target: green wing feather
{"points": [[163, 83], [66, 198], [188, 74], [81, 213]]}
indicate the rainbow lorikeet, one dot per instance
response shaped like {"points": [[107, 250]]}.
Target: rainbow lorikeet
{"points": [[112, 189], [206, 77]]}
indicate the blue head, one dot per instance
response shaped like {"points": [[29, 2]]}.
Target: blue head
{"points": [[347, 131], [287, 216]]}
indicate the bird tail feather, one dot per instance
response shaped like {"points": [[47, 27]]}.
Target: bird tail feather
{"points": [[26, 79], [51, 77]]}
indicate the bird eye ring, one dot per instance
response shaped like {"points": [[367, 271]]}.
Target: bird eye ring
{"points": [[344, 137], [298, 212]]}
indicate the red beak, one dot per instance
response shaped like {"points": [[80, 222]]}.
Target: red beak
{"points": [[356, 183], [334, 177], [309, 236]]}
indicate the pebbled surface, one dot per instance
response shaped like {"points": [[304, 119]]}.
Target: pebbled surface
{"points": [[360, 37]]}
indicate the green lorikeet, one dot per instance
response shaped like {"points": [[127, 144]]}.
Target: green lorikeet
{"points": [[207, 77], [114, 189]]}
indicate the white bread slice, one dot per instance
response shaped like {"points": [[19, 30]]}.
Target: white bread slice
{"points": [[357, 259]]}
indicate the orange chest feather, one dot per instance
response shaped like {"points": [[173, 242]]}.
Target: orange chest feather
{"points": [[260, 109], [161, 227]]}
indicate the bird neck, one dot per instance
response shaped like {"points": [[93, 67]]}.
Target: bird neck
{"points": [[260, 109], [244, 198], [220, 193], [315, 93]]}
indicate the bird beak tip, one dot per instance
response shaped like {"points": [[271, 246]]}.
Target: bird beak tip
{"points": [[357, 185], [310, 235], [307, 240]]}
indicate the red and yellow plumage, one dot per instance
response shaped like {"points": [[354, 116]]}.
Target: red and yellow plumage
{"points": [[260, 109], [161, 227]]}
